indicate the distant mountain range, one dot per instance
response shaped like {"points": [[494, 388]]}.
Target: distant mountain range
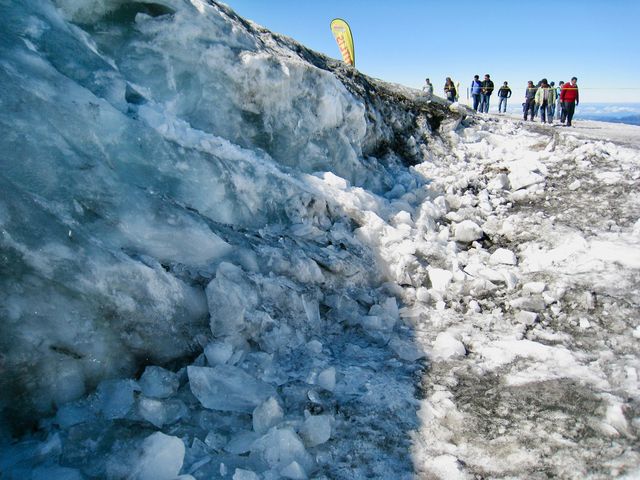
{"points": [[629, 119], [628, 113]]}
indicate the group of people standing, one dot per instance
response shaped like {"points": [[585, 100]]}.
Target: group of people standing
{"points": [[544, 98], [481, 94], [550, 100]]}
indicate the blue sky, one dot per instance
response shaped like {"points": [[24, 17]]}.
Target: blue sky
{"points": [[407, 40]]}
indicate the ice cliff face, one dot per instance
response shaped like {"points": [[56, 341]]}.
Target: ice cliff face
{"points": [[174, 178], [223, 256]]}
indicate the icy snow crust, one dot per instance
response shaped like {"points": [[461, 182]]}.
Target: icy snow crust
{"points": [[226, 256]]}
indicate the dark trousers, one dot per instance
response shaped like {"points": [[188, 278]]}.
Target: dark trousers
{"points": [[476, 101], [545, 112], [484, 102], [529, 105], [568, 110]]}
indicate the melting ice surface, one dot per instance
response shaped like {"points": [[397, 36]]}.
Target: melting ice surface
{"points": [[185, 192]]}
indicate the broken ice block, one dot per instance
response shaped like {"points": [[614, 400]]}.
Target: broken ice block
{"points": [[316, 430], [228, 388], [327, 379], [161, 458], [156, 382], [267, 415]]}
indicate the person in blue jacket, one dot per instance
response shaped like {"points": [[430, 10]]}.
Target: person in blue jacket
{"points": [[476, 91]]}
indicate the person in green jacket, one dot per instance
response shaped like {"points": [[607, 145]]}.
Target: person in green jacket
{"points": [[545, 97]]}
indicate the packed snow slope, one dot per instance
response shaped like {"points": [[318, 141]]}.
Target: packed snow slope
{"points": [[223, 255]]}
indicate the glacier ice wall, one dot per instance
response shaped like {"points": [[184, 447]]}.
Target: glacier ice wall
{"points": [[172, 173]]}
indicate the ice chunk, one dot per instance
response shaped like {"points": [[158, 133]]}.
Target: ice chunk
{"points": [[467, 231], [228, 388], [218, 353], [229, 296], [382, 316], [448, 346], [161, 459], [280, 447], [267, 415], [406, 350], [528, 318], [241, 443], [533, 303], [316, 430], [166, 241], [523, 178], [422, 295], [499, 182], [115, 398], [160, 412], [312, 309], [294, 471], [440, 278], [241, 474], [152, 411], [584, 323], [473, 307], [390, 307], [503, 256], [215, 440], [74, 413], [327, 379], [156, 382], [615, 417], [446, 466], [315, 347]]}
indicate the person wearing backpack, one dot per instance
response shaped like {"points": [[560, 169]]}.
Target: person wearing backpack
{"points": [[487, 90], [503, 93], [476, 91]]}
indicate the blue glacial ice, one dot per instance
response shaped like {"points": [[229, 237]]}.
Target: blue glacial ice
{"points": [[188, 244]]}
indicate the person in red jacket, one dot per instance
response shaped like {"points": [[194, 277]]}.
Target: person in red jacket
{"points": [[569, 98]]}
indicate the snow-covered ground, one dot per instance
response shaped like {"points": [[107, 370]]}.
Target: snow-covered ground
{"points": [[225, 256], [534, 351], [620, 133]]}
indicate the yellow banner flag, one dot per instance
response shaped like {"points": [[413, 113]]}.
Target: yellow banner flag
{"points": [[342, 34]]}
